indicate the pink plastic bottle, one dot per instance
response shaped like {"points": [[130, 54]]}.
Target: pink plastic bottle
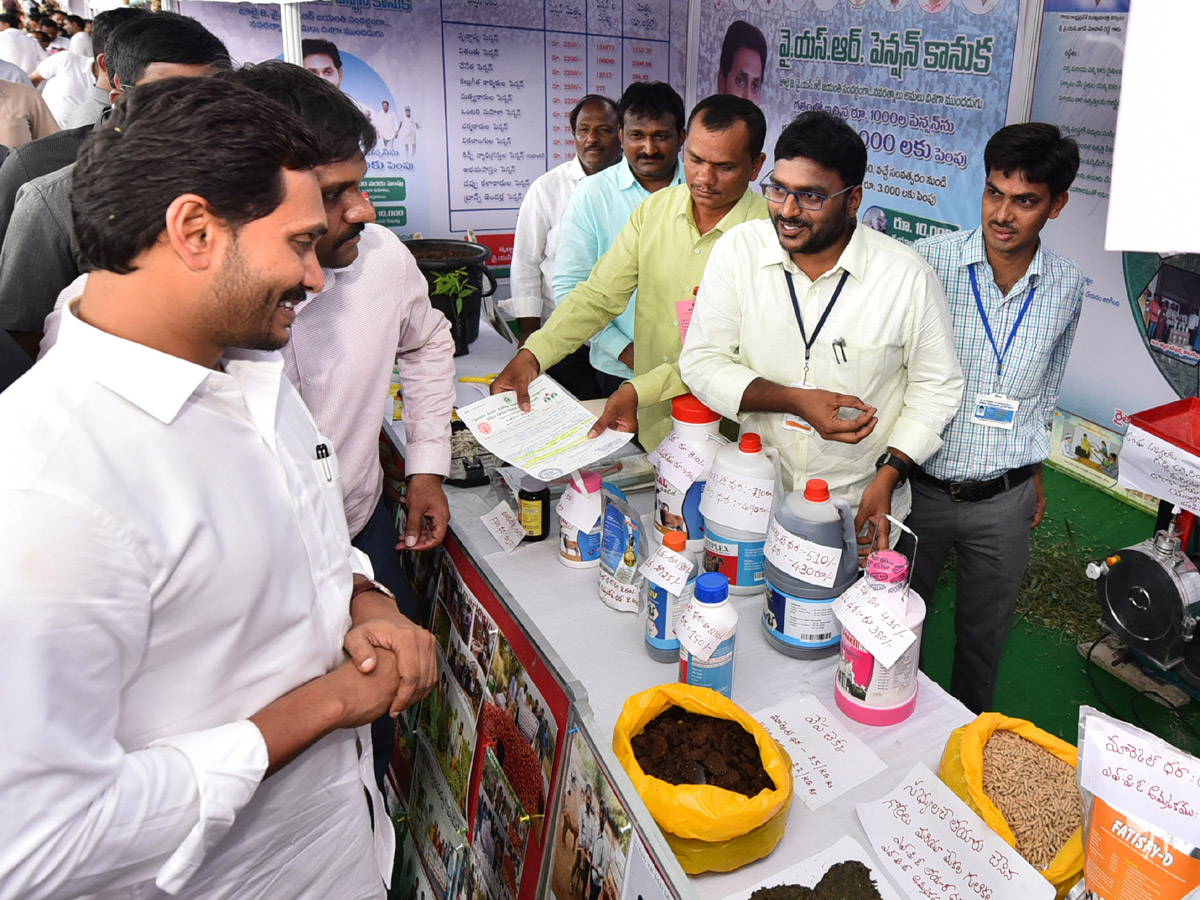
{"points": [[866, 691]]}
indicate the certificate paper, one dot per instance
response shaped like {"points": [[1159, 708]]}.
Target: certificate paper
{"points": [[548, 441]]}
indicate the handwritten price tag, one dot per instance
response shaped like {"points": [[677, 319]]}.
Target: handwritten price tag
{"points": [[678, 461], [739, 502], [934, 846], [697, 634], [1143, 775], [827, 759], [800, 557], [579, 510], [862, 610], [620, 596], [505, 526], [667, 568], [1160, 469]]}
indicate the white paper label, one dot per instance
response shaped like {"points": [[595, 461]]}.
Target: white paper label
{"points": [[1145, 777], [505, 526], [934, 846], [698, 634], [579, 510], [737, 501], [1160, 469], [827, 759], [668, 569], [678, 461], [863, 612], [618, 595], [801, 558]]}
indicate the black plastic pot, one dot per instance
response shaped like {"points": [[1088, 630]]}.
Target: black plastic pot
{"points": [[439, 257]]}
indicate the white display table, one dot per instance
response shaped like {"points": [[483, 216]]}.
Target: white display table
{"points": [[602, 651]]}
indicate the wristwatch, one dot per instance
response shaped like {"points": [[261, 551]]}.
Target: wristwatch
{"points": [[890, 459], [370, 585]]}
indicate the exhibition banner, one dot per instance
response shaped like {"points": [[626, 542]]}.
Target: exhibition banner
{"points": [[1128, 345], [924, 82], [470, 98]]}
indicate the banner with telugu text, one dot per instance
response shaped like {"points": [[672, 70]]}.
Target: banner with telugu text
{"points": [[924, 82]]}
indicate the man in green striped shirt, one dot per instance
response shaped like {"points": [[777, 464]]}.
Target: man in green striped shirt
{"points": [[661, 253]]}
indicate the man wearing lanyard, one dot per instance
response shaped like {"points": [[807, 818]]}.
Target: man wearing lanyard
{"points": [[1015, 305], [800, 317]]}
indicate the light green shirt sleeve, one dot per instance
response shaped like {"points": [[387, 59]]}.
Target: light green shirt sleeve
{"points": [[593, 303]]}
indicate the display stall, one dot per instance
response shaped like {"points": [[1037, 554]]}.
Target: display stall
{"points": [[518, 616]]}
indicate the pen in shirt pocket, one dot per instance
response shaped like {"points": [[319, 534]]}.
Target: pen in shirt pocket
{"points": [[323, 456], [839, 345]]}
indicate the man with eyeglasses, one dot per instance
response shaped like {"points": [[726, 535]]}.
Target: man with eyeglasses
{"points": [[1015, 305], [661, 253], [830, 340]]}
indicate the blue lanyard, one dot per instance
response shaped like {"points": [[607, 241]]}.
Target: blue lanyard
{"points": [[987, 325], [820, 322]]}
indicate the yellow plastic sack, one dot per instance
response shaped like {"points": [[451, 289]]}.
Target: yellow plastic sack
{"points": [[962, 771], [709, 828]]}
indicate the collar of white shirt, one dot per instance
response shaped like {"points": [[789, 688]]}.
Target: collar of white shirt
{"points": [[156, 382], [852, 260]]}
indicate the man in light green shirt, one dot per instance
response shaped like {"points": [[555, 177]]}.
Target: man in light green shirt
{"points": [[661, 253]]}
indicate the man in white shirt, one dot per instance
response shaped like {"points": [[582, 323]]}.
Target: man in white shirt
{"points": [[16, 46], [67, 79], [801, 316], [408, 132], [594, 128], [203, 737], [387, 125], [373, 312]]}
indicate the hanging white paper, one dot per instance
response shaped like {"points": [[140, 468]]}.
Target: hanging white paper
{"points": [[934, 846], [1160, 469], [668, 569], [698, 634], [738, 501], [1144, 776], [827, 759], [505, 526], [863, 612], [578, 508], [549, 440], [677, 461], [801, 558]]}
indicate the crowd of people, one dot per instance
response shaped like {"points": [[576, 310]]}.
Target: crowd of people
{"points": [[205, 621]]}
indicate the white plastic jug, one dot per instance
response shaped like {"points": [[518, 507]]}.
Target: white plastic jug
{"points": [[738, 503]]}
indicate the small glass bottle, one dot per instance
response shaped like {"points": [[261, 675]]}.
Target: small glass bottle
{"points": [[534, 500]]}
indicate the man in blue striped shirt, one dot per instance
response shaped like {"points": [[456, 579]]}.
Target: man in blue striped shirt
{"points": [[1015, 305]]}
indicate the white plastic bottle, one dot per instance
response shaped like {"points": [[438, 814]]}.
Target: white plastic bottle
{"points": [[580, 549], [663, 608], [695, 425], [735, 552], [711, 601]]}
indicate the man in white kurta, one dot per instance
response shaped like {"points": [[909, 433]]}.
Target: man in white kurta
{"points": [[179, 712]]}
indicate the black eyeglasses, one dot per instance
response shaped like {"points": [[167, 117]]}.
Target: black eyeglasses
{"points": [[777, 193]]}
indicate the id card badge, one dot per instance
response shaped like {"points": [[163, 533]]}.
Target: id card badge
{"points": [[995, 411], [794, 422]]}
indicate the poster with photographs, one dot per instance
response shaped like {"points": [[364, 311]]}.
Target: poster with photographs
{"points": [[408, 875], [470, 883], [511, 689], [438, 826], [398, 782], [501, 831], [592, 832], [447, 720]]}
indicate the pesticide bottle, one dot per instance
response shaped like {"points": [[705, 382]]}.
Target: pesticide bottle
{"points": [[742, 485]]}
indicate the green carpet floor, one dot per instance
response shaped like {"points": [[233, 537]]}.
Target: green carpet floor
{"points": [[1043, 678]]}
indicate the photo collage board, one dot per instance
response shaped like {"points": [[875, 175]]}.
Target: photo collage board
{"points": [[474, 770]]}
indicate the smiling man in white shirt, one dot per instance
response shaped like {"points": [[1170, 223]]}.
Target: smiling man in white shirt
{"points": [[169, 522], [802, 316]]}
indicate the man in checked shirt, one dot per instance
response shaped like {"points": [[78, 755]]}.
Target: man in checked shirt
{"points": [[1015, 306]]}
